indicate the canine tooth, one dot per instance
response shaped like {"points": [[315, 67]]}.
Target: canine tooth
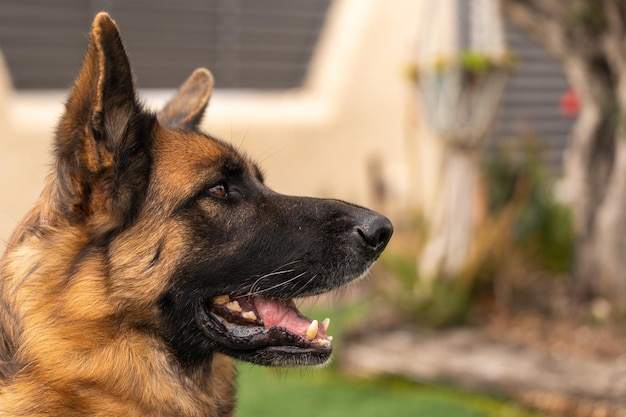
{"points": [[234, 306], [221, 299], [249, 315], [326, 323], [311, 331]]}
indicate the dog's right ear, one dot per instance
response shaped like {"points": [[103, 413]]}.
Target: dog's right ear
{"points": [[101, 149], [186, 108]]}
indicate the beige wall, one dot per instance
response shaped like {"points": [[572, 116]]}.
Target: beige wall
{"points": [[317, 140]]}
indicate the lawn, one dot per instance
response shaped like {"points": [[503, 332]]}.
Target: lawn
{"points": [[308, 393]]}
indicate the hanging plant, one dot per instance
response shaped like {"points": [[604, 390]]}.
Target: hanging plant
{"points": [[468, 61], [461, 95]]}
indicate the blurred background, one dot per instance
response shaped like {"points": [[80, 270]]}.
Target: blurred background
{"points": [[490, 132]]}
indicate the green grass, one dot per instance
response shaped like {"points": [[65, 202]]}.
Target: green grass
{"points": [[308, 393]]}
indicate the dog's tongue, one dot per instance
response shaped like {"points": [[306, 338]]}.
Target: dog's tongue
{"points": [[271, 313], [284, 313]]}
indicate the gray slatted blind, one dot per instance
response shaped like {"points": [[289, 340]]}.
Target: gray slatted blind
{"points": [[246, 43], [530, 105]]}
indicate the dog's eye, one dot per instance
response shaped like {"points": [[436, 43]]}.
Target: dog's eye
{"points": [[218, 191]]}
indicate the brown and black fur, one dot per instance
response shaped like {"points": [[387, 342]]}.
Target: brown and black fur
{"points": [[142, 219]]}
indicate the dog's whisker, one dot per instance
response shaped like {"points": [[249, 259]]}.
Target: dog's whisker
{"points": [[295, 261], [276, 271], [281, 284], [271, 274], [306, 284]]}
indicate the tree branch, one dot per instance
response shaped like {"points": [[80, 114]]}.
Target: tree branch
{"points": [[533, 19], [563, 28], [614, 37]]}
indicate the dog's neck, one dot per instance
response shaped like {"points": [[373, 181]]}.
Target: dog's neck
{"points": [[85, 360], [146, 384]]}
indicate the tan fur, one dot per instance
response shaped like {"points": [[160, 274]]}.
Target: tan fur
{"points": [[77, 330], [76, 308]]}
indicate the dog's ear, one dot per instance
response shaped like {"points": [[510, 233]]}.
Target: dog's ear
{"points": [[186, 108], [102, 160]]}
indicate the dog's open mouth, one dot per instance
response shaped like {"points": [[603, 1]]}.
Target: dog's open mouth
{"points": [[251, 324]]}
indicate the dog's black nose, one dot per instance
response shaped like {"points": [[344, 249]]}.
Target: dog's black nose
{"points": [[376, 230]]}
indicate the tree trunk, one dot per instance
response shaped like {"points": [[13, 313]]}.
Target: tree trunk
{"points": [[611, 228], [587, 36], [590, 165]]}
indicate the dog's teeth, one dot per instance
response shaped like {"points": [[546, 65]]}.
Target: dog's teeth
{"points": [[234, 306], [221, 300], [323, 342], [249, 315], [326, 323], [311, 331]]}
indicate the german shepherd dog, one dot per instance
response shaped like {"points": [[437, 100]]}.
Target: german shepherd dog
{"points": [[156, 255]]}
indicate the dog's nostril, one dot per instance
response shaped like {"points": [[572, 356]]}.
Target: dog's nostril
{"points": [[376, 232]]}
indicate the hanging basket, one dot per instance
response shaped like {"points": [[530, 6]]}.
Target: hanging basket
{"points": [[460, 99]]}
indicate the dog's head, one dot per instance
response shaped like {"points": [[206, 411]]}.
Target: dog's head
{"points": [[196, 248]]}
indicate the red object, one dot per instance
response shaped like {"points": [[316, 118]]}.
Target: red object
{"points": [[569, 104]]}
